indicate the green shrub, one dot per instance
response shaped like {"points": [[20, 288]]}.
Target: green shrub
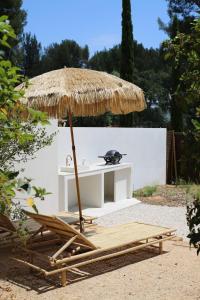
{"points": [[193, 191], [193, 222], [193, 215], [147, 191], [20, 137]]}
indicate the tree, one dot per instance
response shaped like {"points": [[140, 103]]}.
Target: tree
{"points": [[176, 104], [106, 60], [83, 63], [193, 222], [182, 14], [151, 73], [85, 53], [183, 7], [16, 15], [184, 49], [20, 139], [17, 18], [31, 55], [66, 54], [104, 120], [127, 55], [176, 101]]}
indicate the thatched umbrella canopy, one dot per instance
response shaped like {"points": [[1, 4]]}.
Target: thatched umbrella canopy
{"points": [[82, 92]]}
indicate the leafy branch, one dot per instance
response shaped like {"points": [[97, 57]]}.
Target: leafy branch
{"points": [[21, 134]]}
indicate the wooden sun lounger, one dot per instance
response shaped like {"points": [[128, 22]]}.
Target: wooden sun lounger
{"points": [[73, 218], [72, 246], [9, 229], [6, 225]]}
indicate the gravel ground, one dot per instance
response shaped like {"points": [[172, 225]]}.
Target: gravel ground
{"points": [[136, 276], [173, 217]]}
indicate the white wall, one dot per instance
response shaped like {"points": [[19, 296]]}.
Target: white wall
{"points": [[145, 148], [43, 170]]}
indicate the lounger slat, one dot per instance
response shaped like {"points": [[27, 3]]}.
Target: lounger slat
{"points": [[58, 226], [77, 242], [55, 226], [50, 222], [127, 233], [67, 235], [44, 219], [6, 223]]}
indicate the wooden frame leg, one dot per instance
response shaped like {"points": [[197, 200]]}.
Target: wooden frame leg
{"points": [[31, 261], [160, 247], [63, 278], [31, 258]]}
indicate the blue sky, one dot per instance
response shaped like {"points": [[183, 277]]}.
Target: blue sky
{"points": [[93, 22]]}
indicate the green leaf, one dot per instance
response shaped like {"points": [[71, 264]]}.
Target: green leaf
{"points": [[2, 207], [12, 175], [35, 208], [25, 186], [20, 138]]}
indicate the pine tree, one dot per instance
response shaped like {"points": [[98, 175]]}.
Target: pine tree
{"points": [[17, 19], [31, 55], [85, 53], [65, 54], [16, 15], [127, 55], [183, 7]]}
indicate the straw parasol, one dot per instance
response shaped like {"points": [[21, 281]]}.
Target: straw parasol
{"points": [[82, 92]]}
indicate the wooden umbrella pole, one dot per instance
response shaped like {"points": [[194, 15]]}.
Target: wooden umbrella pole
{"points": [[76, 173]]}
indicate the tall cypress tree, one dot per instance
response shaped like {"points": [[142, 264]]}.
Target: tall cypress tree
{"points": [[127, 55]]}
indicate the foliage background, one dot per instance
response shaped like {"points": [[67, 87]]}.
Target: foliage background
{"points": [[20, 136]]}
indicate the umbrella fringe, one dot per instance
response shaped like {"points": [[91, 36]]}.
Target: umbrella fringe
{"points": [[59, 106], [83, 92]]}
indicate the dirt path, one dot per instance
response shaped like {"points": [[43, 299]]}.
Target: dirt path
{"points": [[142, 276], [169, 195]]}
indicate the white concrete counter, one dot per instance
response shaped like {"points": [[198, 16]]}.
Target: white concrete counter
{"points": [[99, 184]]}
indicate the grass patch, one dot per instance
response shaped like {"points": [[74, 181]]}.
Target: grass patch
{"points": [[147, 191], [169, 195], [193, 192]]}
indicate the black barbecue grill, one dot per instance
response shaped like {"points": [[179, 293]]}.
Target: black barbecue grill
{"points": [[112, 157]]}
